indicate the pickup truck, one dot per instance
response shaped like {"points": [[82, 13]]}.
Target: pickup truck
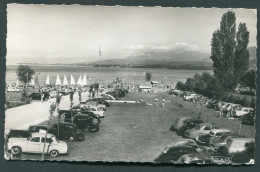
{"points": [[36, 143]]}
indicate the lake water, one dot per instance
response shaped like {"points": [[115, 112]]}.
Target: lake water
{"points": [[105, 75]]}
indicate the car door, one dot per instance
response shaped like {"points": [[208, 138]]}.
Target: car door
{"points": [[33, 145], [47, 144]]}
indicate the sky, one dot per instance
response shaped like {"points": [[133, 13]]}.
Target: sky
{"points": [[74, 33]]}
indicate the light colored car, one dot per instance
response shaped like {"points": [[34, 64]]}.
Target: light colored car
{"points": [[35, 144], [94, 109], [107, 97], [235, 145], [95, 104], [13, 89], [213, 134], [242, 111], [199, 129], [196, 158], [190, 97]]}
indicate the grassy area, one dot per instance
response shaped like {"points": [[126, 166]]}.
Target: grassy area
{"points": [[139, 132]]}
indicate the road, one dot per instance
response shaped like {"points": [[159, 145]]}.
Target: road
{"points": [[22, 117]]}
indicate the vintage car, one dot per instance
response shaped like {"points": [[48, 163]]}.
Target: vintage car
{"points": [[248, 118], [107, 97], [213, 134], [99, 101], [238, 150], [199, 129], [86, 122], [242, 111], [93, 104], [183, 142], [26, 133], [184, 123], [222, 140], [190, 97], [36, 143], [195, 158], [172, 154], [66, 131], [95, 110], [13, 89], [35, 96], [212, 104]]}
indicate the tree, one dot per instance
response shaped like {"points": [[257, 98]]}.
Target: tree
{"points": [[180, 86], [248, 79], [25, 74], [222, 51], [241, 61], [148, 76]]}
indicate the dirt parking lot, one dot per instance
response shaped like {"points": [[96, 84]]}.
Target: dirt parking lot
{"points": [[139, 132]]}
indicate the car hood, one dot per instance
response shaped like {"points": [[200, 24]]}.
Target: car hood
{"points": [[14, 139]]}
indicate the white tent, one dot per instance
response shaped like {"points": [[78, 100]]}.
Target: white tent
{"points": [[79, 80], [58, 82], [72, 81], [47, 80], [84, 80], [65, 81]]}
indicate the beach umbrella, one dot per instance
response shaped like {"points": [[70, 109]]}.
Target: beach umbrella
{"points": [[48, 80], [79, 80], [84, 80], [72, 81], [65, 81], [58, 82]]}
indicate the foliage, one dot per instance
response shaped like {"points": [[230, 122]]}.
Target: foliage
{"points": [[180, 86], [148, 76], [248, 79], [25, 73], [241, 61]]}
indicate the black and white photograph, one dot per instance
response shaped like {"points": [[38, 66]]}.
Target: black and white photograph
{"points": [[159, 85]]}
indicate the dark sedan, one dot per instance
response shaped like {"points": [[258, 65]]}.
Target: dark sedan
{"points": [[35, 96], [214, 134], [249, 118]]}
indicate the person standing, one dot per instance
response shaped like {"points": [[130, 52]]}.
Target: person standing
{"points": [[71, 96], [79, 93], [156, 101], [142, 99], [42, 97], [163, 101], [58, 98]]}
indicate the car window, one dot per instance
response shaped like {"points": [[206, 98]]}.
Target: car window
{"points": [[35, 139], [246, 110], [207, 128], [48, 140]]}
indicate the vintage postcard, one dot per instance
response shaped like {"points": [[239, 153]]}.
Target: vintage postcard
{"points": [[130, 84]]}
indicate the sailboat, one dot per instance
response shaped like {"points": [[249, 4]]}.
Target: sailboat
{"points": [[58, 82], [48, 80], [72, 81], [84, 80], [65, 81], [79, 81]]}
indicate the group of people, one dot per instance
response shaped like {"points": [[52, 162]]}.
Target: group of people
{"points": [[156, 101]]}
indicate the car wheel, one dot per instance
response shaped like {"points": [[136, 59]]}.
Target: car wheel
{"points": [[16, 150], [71, 138], [54, 153], [87, 129]]}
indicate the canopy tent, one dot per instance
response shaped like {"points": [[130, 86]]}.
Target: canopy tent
{"points": [[48, 80], [79, 80], [65, 81], [58, 82], [72, 81], [84, 80]]}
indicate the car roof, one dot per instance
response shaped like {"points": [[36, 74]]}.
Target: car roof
{"points": [[42, 135], [37, 126]]}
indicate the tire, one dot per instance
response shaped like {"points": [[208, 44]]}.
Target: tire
{"points": [[71, 139], [54, 153], [16, 150], [87, 129]]}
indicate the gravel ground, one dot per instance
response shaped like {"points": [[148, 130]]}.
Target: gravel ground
{"points": [[139, 132]]}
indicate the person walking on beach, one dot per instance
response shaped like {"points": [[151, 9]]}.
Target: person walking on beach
{"points": [[156, 101], [163, 101]]}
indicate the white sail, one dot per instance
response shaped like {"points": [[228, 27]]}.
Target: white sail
{"points": [[17, 83], [65, 81], [79, 81], [32, 82], [48, 80], [58, 82], [72, 81], [84, 80]]}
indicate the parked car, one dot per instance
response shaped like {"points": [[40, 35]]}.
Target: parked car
{"points": [[199, 129], [184, 123], [107, 97], [212, 104], [215, 133], [248, 118], [99, 101], [242, 111], [238, 150], [35, 96], [183, 142], [95, 110], [35, 144], [94, 104], [172, 154], [195, 158], [67, 131], [86, 122], [13, 89], [190, 97], [26, 133], [222, 140]]}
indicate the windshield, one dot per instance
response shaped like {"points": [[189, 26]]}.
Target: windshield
{"points": [[29, 138]]}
